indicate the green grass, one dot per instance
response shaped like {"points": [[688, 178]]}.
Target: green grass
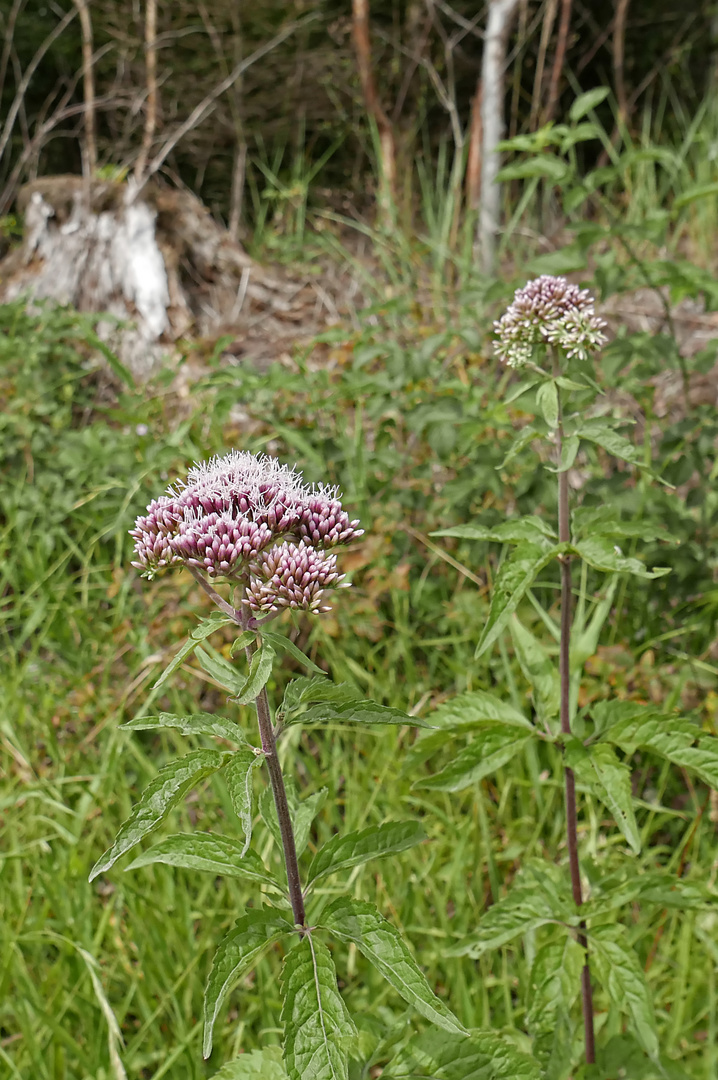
{"points": [[408, 416]]}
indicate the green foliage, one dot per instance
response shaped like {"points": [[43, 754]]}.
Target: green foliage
{"points": [[352, 849]]}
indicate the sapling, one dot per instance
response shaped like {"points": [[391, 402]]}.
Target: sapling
{"points": [[249, 527], [551, 333]]}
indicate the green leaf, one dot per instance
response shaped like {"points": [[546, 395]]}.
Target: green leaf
{"points": [[600, 553], [162, 793], [318, 1031], [441, 1055], [584, 103], [692, 194], [602, 521], [569, 449], [629, 725], [209, 852], [283, 644], [263, 1064], [554, 985], [222, 671], [534, 901], [474, 708], [520, 389], [237, 954], [544, 165], [490, 748], [238, 777], [539, 669], [522, 440], [304, 691], [703, 759], [361, 924], [354, 848], [610, 781], [259, 672], [207, 626], [301, 811], [193, 724], [355, 712], [243, 641], [566, 260], [530, 528], [516, 574], [599, 432], [585, 642], [622, 976], [547, 401], [653, 887]]}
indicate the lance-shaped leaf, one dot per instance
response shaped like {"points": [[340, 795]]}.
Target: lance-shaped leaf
{"points": [[206, 627], [440, 1055], [553, 987], [539, 669], [601, 553], [375, 842], [237, 954], [474, 708], [318, 1031], [238, 775], [263, 1064], [622, 977], [533, 529], [283, 644], [602, 521], [654, 887], [243, 641], [672, 737], [547, 401], [354, 712], [569, 450], [610, 781], [194, 724], [703, 759], [162, 793], [599, 432], [301, 811], [360, 923], [522, 440], [222, 671], [304, 691], [207, 851], [585, 637], [490, 748], [531, 903], [516, 574]]}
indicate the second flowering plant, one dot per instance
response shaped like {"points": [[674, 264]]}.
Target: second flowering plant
{"points": [[260, 541]]}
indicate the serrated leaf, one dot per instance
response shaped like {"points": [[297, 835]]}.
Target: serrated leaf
{"points": [[531, 528], [547, 401], [193, 724], [263, 1064], [222, 671], [601, 434], [243, 641], [208, 852], [566, 260], [622, 977], [301, 811], [610, 781], [539, 669], [259, 672], [355, 712], [162, 793], [554, 985], [374, 842], [237, 954], [569, 449], [238, 776], [206, 627], [653, 887], [490, 748], [318, 1031], [630, 725], [283, 644], [516, 575], [534, 901], [305, 691], [600, 553], [584, 103], [602, 520], [360, 923], [476, 707], [441, 1055]]}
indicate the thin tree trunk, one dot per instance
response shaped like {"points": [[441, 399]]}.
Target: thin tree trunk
{"points": [[473, 164], [151, 83], [501, 15], [387, 147], [558, 59]]}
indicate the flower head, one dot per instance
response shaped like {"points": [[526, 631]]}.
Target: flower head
{"points": [[247, 517], [548, 311]]}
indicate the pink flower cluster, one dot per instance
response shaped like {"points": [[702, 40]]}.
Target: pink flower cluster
{"points": [[248, 518], [548, 311]]}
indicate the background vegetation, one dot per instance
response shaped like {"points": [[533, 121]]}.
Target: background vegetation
{"points": [[402, 405]]}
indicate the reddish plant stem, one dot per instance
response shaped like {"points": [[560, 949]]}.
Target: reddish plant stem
{"points": [[564, 537]]}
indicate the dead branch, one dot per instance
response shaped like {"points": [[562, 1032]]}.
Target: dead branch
{"points": [[88, 78], [8, 34], [387, 148], [619, 51], [558, 60], [498, 27], [29, 72], [151, 82]]}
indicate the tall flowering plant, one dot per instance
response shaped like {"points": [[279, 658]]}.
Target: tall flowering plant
{"points": [[551, 334], [260, 541]]}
